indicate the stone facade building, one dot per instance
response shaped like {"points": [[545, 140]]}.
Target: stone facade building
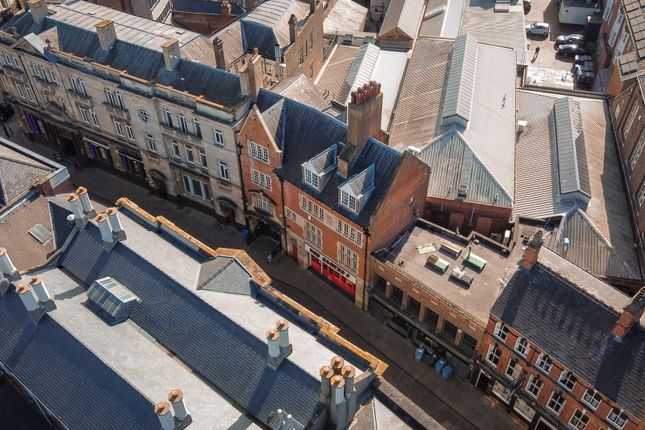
{"points": [[144, 105]]}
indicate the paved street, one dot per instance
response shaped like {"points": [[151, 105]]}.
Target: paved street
{"points": [[454, 404]]}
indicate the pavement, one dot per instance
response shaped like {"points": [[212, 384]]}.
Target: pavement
{"points": [[455, 404]]}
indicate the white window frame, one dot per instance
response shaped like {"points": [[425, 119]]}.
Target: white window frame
{"points": [[559, 404], [347, 257], [191, 184], [510, 368], [129, 132], [203, 161], [190, 156], [595, 399], [218, 137], [223, 171], [95, 118], [169, 118], [636, 154], [349, 232], [119, 100], [109, 96], [84, 116], [118, 128], [641, 195], [579, 419], [629, 122], [522, 346], [312, 208], [261, 179], [197, 128], [150, 142], [534, 383], [613, 33], [290, 214], [500, 331], [620, 415], [258, 151], [311, 178], [544, 360], [313, 234], [567, 380], [607, 10], [495, 353], [262, 203], [183, 124], [176, 151], [348, 200]]}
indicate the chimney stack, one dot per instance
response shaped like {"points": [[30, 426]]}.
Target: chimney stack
{"points": [[9, 271], [104, 227], [338, 392], [171, 54], [363, 120], [326, 373], [292, 28], [218, 49], [250, 5], [630, 316], [30, 302], [106, 32], [162, 409], [176, 399], [115, 224], [38, 286], [38, 9], [312, 7], [337, 364], [532, 251], [226, 9], [75, 204], [278, 343], [86, 203]]}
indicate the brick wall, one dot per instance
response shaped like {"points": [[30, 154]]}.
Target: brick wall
{"points": [[310, 42], [453, 214], [204, 23]]}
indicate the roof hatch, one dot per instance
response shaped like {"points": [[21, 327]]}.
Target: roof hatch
{"points": [[111, 300]]}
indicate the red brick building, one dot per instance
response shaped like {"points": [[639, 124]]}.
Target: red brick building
{"points": [[328, 189], [564, 349]]}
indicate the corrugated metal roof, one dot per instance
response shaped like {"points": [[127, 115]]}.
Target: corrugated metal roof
{"points": [[332, 77], [433, 18], [454, 165], [362, 68], [404, 16], [570, 142], [460, 83], [604, 239], [497, 28], [346, 16], [302, 89]]}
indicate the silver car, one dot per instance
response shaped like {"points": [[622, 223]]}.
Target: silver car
{"points": [[538, 29]]}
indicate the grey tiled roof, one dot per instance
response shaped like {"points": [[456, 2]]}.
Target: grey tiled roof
{"points": [[67, 377], [230, 358], [137, 49], [604, 238], [570, 141], [320, 131], [575, 328], [226, 275], [231, 36], [18, 174]]}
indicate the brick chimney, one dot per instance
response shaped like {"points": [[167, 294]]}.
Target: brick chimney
{"points": [[251, 77], [630, 316], [292, 28], [38, 9], [107, 33], [312, 7], [226, 9], [218, 49], [532, 251], [171, 54], [363, 120]]}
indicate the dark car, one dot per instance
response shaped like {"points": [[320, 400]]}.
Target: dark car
{"points": [[570, 39], [571, 50]]}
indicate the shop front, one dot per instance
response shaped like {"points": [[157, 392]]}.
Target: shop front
{"points": [[331, 271]]}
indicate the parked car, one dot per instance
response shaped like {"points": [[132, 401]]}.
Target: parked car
{"points": [[569, 39], [571, 50], [538, 29], [583, 59], [579, 69]]}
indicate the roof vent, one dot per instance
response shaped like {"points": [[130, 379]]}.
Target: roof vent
{"points": [[40, 233], [461, 277], [111, 300]]}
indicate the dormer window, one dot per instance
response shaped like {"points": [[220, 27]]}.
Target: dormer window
{"points": [[356, 191], [316, 170], [311, 178]]}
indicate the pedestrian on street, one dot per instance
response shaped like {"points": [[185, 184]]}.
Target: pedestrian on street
{"points": [[537, 51]]}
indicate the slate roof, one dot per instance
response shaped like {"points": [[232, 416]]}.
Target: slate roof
{"points": [[320, 131], [268, 25], [598, 228], [18, 173], [403, 16], [575, 328], [205, 6], [303, 90], [635, 18], [448, 79], [66, 376], [346, 16], [71, 28], [231, 36], [332, 78]]}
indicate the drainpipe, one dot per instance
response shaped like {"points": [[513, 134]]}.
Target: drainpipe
{"points": [[242, 188], [284, 217], [367, 243]]}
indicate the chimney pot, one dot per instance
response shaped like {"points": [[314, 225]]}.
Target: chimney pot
{"points": [[8, 269], [226, 8], [77, 208], [282, 327], [312, 7], [162, 409], [115, 223], [273, 342], [39, 288], [86, 203], [349, 372], [630, 316], [337, 364], [176, 399]]}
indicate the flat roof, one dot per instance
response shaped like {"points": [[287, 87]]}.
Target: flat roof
{"points": [[476, 300]]}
